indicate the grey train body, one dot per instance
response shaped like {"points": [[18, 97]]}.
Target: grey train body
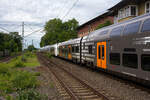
{"points": [[127, 48]]}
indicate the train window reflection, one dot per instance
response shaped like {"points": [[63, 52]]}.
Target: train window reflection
{"points": [[130, 60], [132, 28], [99, 52], [104, 32], [115, 58], [90, 49], [73, 49], [145, 60], [146, 25], [77, 49], [116, 31], [103, 52]]}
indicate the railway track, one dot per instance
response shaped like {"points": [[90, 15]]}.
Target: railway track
{"points": [[69, 86], [6, 59]]}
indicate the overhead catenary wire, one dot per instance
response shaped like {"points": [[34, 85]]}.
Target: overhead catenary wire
{"points": [[4, 29], [29, 27], [34, 32], [74, 4], [61, 10]]}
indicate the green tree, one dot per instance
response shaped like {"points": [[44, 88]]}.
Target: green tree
{"points": [[10, 42], [58, 31], [106, 23], [31, 48]]}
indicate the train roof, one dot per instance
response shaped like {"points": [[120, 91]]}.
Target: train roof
{"points": [[72, 41], [101, 34]]}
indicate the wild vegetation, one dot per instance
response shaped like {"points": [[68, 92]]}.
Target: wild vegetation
{"points": [[106, 23], [19, 84], [58, 31]]}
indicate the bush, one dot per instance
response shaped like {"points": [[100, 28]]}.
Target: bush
{"points": [[24, 80], [29, 54], [31, 95], [19, 64], [4, 70], [5, 87], [48, 55], [37, 74], [24, 58], [107, 23]]}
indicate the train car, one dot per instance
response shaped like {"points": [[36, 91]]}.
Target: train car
{"points": [[52, 49], [45, 49], [122, 48], [70, 50]]}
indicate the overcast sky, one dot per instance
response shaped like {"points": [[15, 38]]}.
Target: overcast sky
{"points": [[36, 12]]}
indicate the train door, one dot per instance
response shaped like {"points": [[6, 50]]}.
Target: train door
{"points": [[69, 52], [101, 55]]}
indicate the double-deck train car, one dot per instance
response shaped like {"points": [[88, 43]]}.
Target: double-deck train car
{"points": [[53, 49], [122, 48]]}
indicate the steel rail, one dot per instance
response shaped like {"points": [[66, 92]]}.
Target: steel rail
{"points": [[68, 90], [73, 96]]}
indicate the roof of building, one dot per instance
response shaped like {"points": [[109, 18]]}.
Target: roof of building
{"points": [[122, 3], [107, 13]]}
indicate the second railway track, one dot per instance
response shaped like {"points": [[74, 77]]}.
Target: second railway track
{"points": [[69, 86]]}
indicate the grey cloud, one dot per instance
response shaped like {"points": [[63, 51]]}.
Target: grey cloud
{"points": [[37, 12]]}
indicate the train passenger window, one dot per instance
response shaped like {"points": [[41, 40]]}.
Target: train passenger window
{"points": [[130, 60], [146, 25], [129, 49], [103, 52], [83, 45], [77, 49], [73, 49], [104, 32], [116, 31], [99, 52], [145, 60], [115, 58], [90, 49], [132, 28]]}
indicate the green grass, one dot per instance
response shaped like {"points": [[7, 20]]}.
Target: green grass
{"points": [[14, 80], [30, 60]]}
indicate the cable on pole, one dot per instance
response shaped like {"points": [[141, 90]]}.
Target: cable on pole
{"points": [[4, 29], [33, 32]]}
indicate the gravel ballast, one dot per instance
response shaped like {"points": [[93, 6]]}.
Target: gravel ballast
{"points": [[115, 89]]}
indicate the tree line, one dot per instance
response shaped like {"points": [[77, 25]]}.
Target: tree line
{"points": [[58, 31], [10, 42]]}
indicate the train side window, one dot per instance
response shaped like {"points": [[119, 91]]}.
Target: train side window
{"points": [[77, 49], [116, 31], [145, 60], [132, 28], [115, 58], [99, 52], [90, 49], [83, 45], [73, 49], [146, 25], [104, 32], [130, 60], [103, 52]]}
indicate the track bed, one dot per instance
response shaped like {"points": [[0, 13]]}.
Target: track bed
{"points": [[71, 87]]}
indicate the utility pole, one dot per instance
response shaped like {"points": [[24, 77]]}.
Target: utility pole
{"points": [[23, 35], [23, 41], [32, 42]]}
